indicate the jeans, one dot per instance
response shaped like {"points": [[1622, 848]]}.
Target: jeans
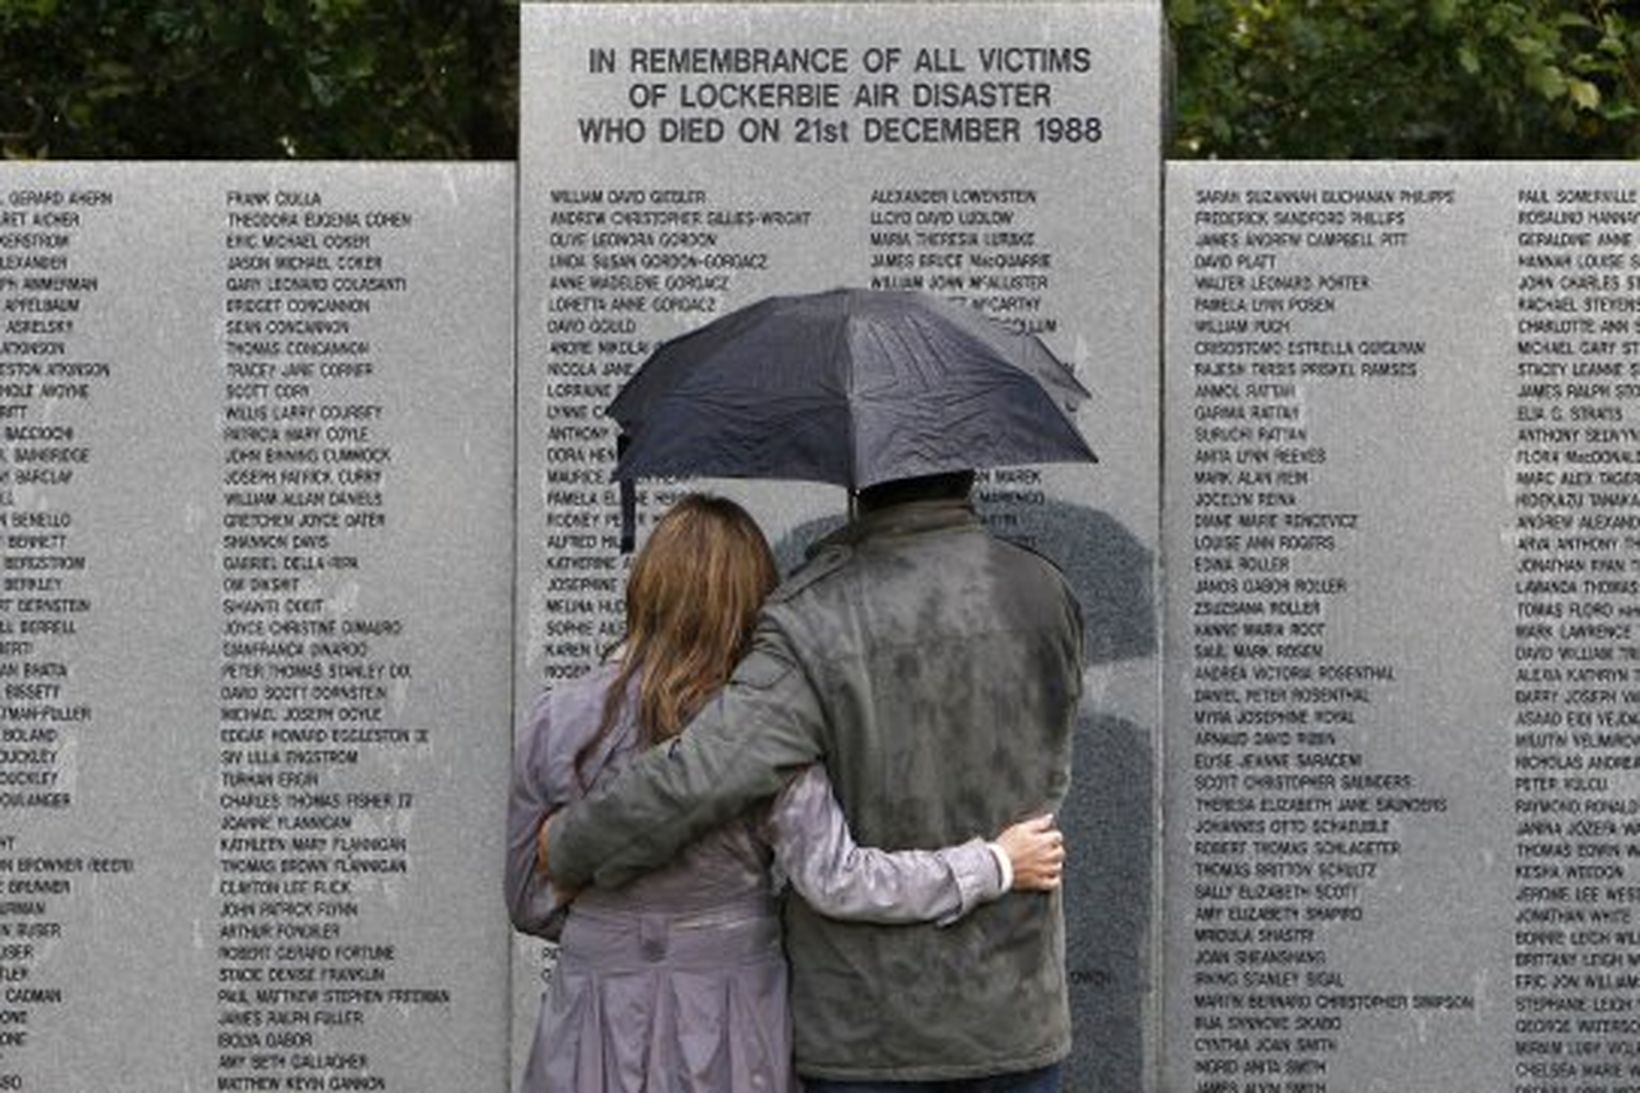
{"points": [[1045, 1080]]}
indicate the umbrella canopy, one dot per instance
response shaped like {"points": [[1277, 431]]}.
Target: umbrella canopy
{"points": [[852, 387]]}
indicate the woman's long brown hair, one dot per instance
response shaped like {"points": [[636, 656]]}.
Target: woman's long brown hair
{"points": [[692, 600]]}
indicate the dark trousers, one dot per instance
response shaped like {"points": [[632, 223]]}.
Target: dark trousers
{"points": [[1046, 1080]]}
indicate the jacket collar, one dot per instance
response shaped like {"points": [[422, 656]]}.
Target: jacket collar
{"points": [[907, 518]]}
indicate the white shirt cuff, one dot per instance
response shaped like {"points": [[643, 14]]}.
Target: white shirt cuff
{"points": [[1004, 866]]}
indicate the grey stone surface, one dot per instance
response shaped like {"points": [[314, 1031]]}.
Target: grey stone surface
{"points": [[254, 493], [1398, 540], [646, 210]]}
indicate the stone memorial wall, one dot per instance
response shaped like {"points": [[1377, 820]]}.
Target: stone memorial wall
{"points": [[254, 466], [290, 535], [1400, 528], [679, 161]]}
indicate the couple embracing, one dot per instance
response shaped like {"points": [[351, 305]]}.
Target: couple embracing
{"points": [[861, 730]]}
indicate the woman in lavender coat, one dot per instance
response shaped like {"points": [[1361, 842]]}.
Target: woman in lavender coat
{"points": [[677, 983]]}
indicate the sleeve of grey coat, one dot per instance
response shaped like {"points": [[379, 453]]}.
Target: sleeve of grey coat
{"points": [[741, 748], [841, 879]]}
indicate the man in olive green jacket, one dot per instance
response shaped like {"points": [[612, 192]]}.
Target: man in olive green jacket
{"points": [[935, 670]]}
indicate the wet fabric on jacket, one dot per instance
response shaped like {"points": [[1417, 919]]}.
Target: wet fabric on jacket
{"points": [[936, 671]]}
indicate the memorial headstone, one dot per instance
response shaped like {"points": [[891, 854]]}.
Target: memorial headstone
{"points": [[254, 466], [679, 161], [1400, 533]]}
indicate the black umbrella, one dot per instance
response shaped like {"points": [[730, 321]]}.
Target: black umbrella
{"points": [[851, 387]]}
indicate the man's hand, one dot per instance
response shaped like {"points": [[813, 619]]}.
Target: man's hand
{"points": [[563, 896], [541, 845], [1036, 849]]}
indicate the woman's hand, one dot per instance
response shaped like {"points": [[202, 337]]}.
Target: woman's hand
{"points": [[1036, 849]]}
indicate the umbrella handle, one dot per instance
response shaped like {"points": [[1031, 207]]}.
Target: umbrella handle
{"points": [[629, 500]]}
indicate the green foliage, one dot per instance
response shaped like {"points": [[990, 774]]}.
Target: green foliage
{"points": [[438, 79], [1440, 79], [275, 79]]}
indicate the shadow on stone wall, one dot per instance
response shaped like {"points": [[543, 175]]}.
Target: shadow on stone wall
{"points": [[1109, 818]]}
